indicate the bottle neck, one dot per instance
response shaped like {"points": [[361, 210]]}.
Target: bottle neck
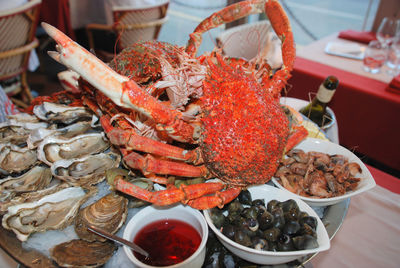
{"points": [[325, 95]]}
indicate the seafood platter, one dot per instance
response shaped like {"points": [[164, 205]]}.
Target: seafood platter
{"points": [[158, 125]]}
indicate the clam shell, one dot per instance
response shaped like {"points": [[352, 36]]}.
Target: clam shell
{"points": [[60, 113], [109, 214], [80, 253], [53, 149], [51, 212], [14, 159], [87, 170]]}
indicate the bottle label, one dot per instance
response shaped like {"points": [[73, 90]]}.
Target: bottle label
{"points": [[324, 95]]}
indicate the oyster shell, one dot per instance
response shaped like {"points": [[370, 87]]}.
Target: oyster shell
{"points": [[87, 170], [70, 131], [16, 132], [35, 179], [109, 213], [32, 196], [52, 149], [22, 118], [60, 113], [54, 211], [14, 159], [80, 253]]}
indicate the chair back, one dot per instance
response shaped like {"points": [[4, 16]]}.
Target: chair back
{"points": [[249, 40], [135, 25], [17, 38]]}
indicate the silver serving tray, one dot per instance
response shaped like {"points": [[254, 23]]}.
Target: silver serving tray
{"points": [[333, 218]]}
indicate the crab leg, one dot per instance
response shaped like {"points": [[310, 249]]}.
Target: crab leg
{"points": [[149, 164], [194, 195], [228, 14], [280, 24], [219, 199], [169, 196], [298, 134], [134, 141], [118, 88]]}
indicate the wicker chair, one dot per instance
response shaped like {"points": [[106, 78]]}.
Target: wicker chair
{"points": [[132, 25], [248, 40], [17, 40]]}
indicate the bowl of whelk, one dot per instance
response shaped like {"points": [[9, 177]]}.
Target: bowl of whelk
{"points": [[366, 180], [268, 193], [179, 212]]}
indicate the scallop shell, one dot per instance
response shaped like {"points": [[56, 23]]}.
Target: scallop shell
{"points": [[53, 149], [88, 170], [109, 214]]}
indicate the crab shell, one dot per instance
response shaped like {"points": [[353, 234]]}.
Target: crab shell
{"points": [[244, 128]]}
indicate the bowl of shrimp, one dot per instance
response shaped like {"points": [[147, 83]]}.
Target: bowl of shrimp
{"points": [[322, 173]]}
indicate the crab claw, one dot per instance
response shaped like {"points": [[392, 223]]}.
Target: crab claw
{"points": [[96, 72], [122, 91]]}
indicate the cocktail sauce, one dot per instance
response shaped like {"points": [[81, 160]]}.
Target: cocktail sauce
{"points": [[168, 242]]}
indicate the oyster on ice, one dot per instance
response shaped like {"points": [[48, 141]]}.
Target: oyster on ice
{"points": [[35, 179], [60, 113], [14, 159], [109, 213], [29, 197], [70, 131], [51, 212], [52, 149], [87, 170], [80, 253], [16, 132]]}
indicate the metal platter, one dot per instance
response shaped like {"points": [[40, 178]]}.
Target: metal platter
{"points": [[332, 218]]}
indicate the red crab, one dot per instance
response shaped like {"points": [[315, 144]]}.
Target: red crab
{"points": [[230, 110]]}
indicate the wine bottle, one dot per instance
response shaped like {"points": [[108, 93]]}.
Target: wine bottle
{"points": [[316, 109]]}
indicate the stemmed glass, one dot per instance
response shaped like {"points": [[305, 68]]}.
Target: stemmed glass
{"points": [[387, 31], [393, 57]]}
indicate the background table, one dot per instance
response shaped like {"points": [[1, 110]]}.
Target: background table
{"points": [[367, 114]]}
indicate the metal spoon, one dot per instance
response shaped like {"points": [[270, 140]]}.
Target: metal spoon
{"points": [[119, 240]]}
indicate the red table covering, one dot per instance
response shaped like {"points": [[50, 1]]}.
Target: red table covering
{"points": [[358, 36], [367, 114]]}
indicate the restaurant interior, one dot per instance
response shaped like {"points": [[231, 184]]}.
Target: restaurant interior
{"points": [[342, 39]]}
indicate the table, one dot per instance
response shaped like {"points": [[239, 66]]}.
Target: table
{"points": [[369, 236], [365, 111]]}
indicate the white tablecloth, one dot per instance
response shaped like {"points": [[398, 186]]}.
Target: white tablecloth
{"points": [[370, 234]]}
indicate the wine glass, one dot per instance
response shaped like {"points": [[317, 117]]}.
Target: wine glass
{"points": [[393, 57], [387, 31]]}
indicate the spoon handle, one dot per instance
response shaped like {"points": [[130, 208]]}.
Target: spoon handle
{"points": [[118, 240]]}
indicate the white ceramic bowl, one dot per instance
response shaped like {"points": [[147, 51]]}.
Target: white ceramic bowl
{"points": [[268, 193], [310, 144], [178, 212]]}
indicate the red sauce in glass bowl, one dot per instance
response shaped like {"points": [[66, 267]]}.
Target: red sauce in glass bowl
{"points": [[168, 242]]}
